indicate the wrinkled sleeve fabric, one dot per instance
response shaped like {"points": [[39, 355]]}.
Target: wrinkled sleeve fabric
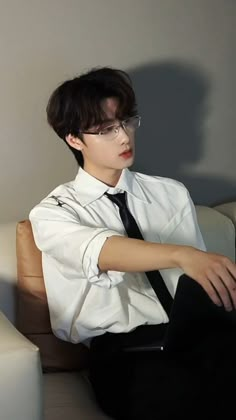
{"points": [[184, 229], [59, 234]]}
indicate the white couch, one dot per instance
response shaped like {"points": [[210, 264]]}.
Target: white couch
{"points": [[26, 393]]}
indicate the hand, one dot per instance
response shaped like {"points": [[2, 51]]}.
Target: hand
{"points": [[214, 272]]}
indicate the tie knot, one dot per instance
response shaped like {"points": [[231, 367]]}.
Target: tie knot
{"points": [[119, 199]]}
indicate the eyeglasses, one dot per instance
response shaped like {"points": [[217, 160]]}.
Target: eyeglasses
{"points": [[110, 132]]}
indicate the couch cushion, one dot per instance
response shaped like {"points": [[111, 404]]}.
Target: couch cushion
{"points": [[33, 318], [8, 273], [217, 230], [70, 396]]}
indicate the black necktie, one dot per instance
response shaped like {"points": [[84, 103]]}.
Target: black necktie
{"points": [[133, 231]]}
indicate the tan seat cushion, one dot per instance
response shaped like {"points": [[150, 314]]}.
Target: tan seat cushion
{"points": [[33, 318]]}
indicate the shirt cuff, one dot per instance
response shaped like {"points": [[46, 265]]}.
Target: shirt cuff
{"points": [[90, 262]]}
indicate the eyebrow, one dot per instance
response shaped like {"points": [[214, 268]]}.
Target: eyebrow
{"points": [[108, 120], [105, 121]]}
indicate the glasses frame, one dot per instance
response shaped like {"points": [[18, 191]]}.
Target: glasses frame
{"points": [[115, 126]]}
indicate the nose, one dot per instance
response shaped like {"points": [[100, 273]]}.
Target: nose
{"points": [[122, 137]]}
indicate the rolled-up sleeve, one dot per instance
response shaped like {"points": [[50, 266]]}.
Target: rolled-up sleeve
{"points": [[59, 233]]}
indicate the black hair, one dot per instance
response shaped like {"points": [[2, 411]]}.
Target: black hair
{"points": [[75, 106]]}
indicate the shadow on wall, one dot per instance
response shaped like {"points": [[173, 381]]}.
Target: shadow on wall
{"points": [[172, 100]]}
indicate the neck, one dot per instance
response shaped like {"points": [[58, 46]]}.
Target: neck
{"points": [[109, 177]]}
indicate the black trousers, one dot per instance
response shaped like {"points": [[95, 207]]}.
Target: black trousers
{"points": [[196, 384]]}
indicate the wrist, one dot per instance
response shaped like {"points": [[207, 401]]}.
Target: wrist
{"points": [[181, 254]]}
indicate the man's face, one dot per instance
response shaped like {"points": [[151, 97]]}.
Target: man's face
{"points": [[107, 156]]}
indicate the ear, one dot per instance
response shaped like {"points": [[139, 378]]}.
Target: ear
{"points": [[74, 142]]}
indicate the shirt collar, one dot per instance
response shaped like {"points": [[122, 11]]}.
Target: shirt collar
{"points": [[90, 188]]}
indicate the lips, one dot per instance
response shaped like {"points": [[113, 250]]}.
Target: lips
{"points": [[126, 153]]}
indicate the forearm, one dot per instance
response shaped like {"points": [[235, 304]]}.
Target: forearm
{"points": [[126, 254], [214, 272]]}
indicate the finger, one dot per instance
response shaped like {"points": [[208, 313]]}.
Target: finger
{"points": [[222, 291], [231, 267], [229, 283], [233, 296], [211, 291]]}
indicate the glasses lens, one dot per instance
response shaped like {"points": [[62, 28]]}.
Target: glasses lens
{"points": [[132, 123], [110, 132]]}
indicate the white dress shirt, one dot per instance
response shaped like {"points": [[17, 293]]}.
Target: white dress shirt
{"points": [[70, 227]]}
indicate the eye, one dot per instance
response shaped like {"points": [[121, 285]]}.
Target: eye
{"points": [[107, 130]]}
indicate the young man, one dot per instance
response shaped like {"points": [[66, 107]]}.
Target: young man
{"points": [[96, 271]]}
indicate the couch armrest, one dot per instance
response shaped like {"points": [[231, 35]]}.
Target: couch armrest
{"points": [[228, 209], [21, 375], [217, 230]]}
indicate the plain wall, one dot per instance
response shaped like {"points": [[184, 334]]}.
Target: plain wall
{"points": [[181, 57]]}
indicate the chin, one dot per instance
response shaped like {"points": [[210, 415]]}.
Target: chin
{"points": [[129, 164], [126, 164]]}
